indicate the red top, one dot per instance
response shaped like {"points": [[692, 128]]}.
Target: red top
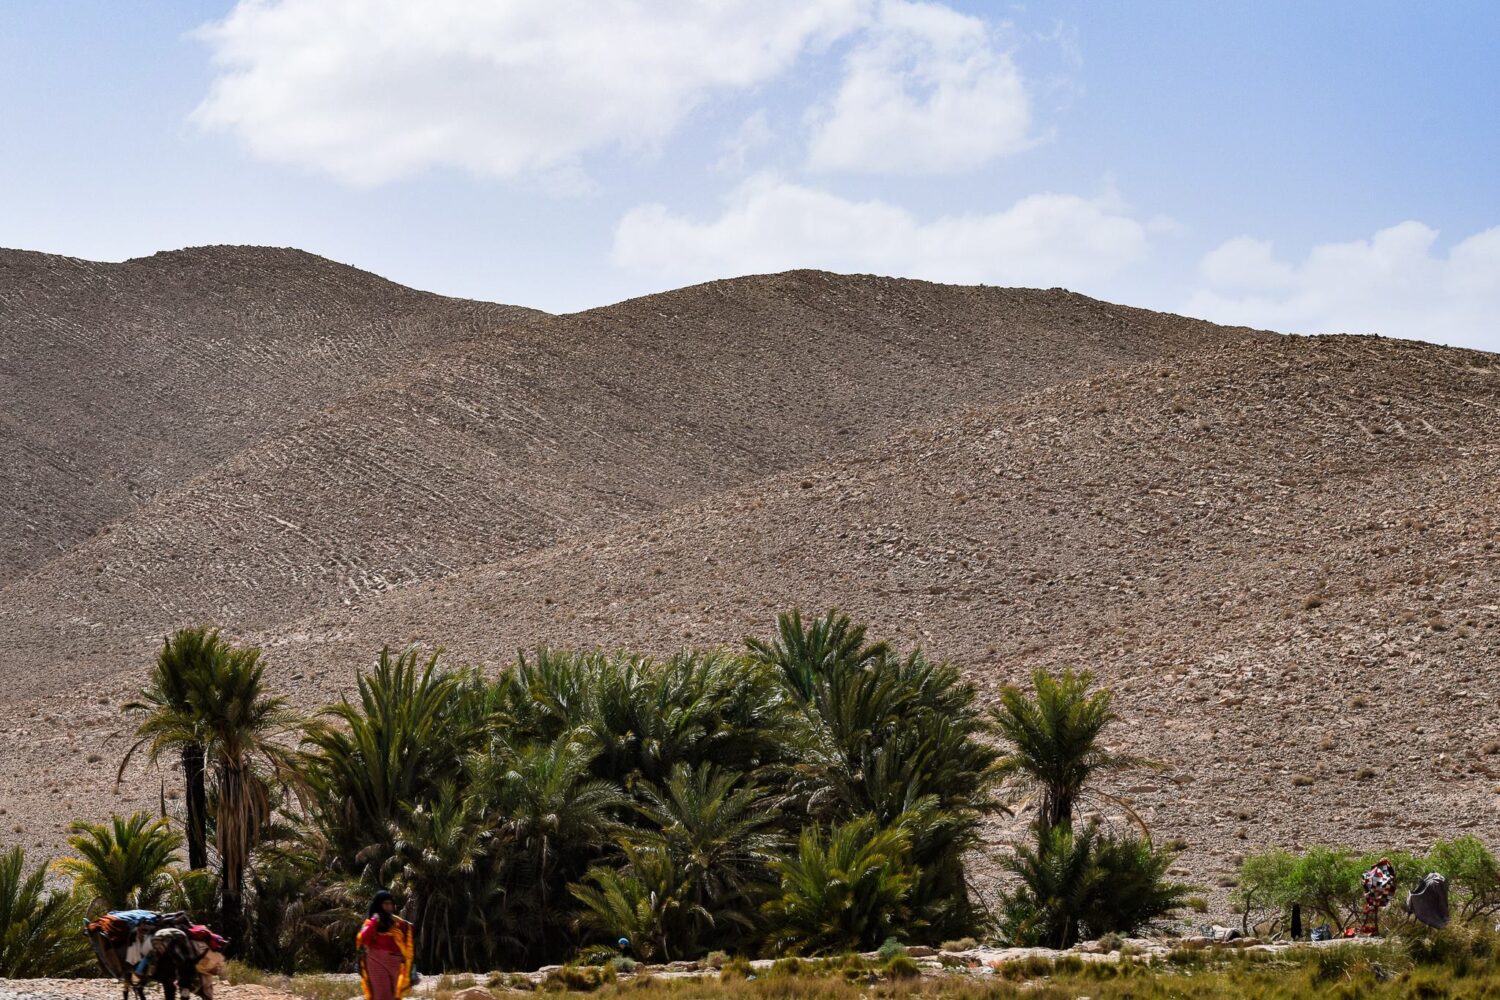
{"points": [[371, 937]]}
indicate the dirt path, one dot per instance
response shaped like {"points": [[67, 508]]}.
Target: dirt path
{"points": [[106, 989]]}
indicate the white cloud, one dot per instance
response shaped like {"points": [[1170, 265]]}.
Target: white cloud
{"points": [[754, 133], [926, 91], [1394, 283], [770, 224], [373, 90]]}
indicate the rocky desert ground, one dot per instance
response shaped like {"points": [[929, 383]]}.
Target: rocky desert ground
{"points": [[1280, 551]]}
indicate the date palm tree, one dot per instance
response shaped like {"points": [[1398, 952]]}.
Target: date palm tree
{"points": [[244, 731], [207, 700], [844, 890], [39, 930], [126, 863], [640, 903], [718, 835], [391, 747], [551, 819], [1055, 745], [169, 724], [439, 864]]}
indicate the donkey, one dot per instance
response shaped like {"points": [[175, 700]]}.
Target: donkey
{"points": [[170, 969]]}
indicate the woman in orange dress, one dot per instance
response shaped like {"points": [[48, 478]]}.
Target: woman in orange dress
{"points": [[385, 950]]}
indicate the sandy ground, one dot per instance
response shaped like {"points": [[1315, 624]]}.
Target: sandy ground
{"points": [[108, 989], [981, 962]]}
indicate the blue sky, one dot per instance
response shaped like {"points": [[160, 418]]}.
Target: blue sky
{"points": [[1305, 166]]}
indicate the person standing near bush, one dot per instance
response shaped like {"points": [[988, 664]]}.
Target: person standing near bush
{"points": [[385, 951]]}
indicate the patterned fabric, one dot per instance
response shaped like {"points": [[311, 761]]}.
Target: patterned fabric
{"points": [[109, 927], [385, 972], [1380, 886]]}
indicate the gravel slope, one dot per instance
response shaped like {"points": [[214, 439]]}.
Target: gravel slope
{"points": [[1281, 552]]}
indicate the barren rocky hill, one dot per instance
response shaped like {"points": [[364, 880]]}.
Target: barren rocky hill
{"points": [[1284, 556], [119, 382], [500, 442], [1280, 551]]}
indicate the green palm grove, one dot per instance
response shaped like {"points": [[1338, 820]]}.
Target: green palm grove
{"points": [[813, 793]]}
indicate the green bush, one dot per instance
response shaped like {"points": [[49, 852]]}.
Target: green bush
{"points": [[1326, 881], [1075, 886], [1453, 945], [901, 966], [578, 978], [791, 966], [846, 889], [39, 930], [1473, 876], [736, 968]]}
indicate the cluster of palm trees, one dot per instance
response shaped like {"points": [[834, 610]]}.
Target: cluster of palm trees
{"points": [[812, 793], [680, 803]]}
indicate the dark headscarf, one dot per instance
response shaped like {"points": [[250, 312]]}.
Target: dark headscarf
{"points": [[377, 908]]}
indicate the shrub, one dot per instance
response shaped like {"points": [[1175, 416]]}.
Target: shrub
{"points": [[1086, 884], [596, 955], [901, 966], [890, 948], [1473, 876], [792, 966], [736, 968], [39, 930], [578, 978], [1326, 881], [848, 889], [962, 944], [1332, 964]]}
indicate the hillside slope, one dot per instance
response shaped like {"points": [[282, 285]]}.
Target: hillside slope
{"points": [[1282, 553], [121, 381], [1284, 557], [506, 442]]}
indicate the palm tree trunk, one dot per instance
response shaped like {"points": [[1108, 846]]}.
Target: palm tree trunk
{"points": [[1056, 811], [235, 836], [197, 806]]}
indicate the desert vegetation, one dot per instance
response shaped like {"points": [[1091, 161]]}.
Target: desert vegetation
{"points": [[1456, 964], [1325, 881], [815, 793]]}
